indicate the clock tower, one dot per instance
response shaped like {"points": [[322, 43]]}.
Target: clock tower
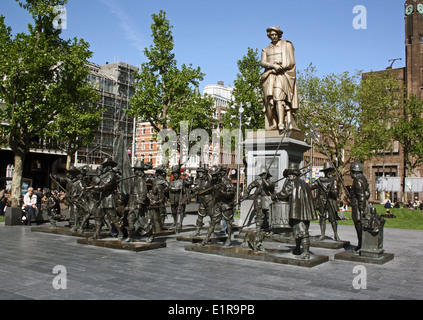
{"points": [[414, 47]]}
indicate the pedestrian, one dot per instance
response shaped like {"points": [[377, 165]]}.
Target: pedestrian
{"points": [[29, 206]]}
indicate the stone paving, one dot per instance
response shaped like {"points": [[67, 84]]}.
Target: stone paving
{"points": [[28, 259]]}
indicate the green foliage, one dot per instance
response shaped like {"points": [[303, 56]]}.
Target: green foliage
{"points": [[330, 105], [166, 94], [354, 118], [43, 80], [248, 92], [408, 130], [379, 96]]}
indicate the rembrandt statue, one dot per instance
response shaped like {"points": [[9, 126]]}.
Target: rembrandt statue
{"points": [[279, 82]]}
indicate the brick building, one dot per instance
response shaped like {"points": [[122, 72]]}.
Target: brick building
{"points": [[391, 165]]}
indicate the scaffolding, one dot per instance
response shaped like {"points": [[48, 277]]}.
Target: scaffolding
{"points": [[115, 83]]}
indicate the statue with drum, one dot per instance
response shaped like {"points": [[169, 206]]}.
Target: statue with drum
{"points": [[264, 188], [301, 208]]}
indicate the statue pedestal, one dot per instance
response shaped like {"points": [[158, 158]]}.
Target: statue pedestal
{"points": [[13, 216], [270, 255], [273, 151], [372, 241], [372, 244]]}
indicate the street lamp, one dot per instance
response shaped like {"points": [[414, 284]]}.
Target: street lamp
{"points": [[241, 111]]}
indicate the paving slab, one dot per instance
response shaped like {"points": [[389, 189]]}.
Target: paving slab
{"points": [[28, 260]]}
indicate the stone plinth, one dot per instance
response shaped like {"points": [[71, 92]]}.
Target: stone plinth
{"points": [[200, 238], [351, 255], [372, 241], [13, 216], [273, 151], [117, 244], [271, 255]]}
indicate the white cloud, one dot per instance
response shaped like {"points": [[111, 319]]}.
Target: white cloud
{"points": [[126, 24]]}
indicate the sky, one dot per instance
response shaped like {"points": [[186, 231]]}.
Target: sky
{"points": [[336, 36]]}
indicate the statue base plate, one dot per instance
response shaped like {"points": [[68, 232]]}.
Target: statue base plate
{"points": [[168, 230], [351, 255], [328, 243], [200, 238], [66, 231], [270, 255], [117, 244]]}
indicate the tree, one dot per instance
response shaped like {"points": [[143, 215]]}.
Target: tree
{"points": [[329, 104], [165, 94], [40, 77], [380, 96], [248, 92], [408, 130], [75, 128]]}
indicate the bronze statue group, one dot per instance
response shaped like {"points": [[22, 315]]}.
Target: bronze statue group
{"points": [[142, 211]]}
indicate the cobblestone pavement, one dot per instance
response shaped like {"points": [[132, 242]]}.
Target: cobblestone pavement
{"points": [[28, 260]]}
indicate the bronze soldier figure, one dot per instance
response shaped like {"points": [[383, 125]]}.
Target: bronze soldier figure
{"points": [[160, 183], [262, 197], [107, 186], [224, 194], [69, 181], [92, 197], [203, 187], [177, 197], [53, 207], [137, 205], [360, 195], [327, 200], [78, 198], [301, 208]]}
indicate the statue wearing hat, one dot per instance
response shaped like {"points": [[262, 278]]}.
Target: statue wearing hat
{"points": [[224, 195], [177, 197], [360, 195], [264, 188], [161, 187], [203, 187], [301, 208], [279, 82], [69, 181], [107, 186], [79, 199], [137, 204], [327, 193]]}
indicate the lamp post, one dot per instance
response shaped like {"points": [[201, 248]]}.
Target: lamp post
{"points": [[241, 111]]}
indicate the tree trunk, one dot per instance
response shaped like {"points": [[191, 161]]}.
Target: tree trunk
{"points": [[17, 179], [68, 161]]}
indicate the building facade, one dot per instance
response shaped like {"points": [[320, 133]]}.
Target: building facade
{"points": [[147, 148], [116, 84], [386, 173]]}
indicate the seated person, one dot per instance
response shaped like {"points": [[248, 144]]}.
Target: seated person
{"points": [[29, 206]]}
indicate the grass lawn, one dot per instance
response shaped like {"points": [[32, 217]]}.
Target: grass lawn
{"points": [[405, 218]]}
